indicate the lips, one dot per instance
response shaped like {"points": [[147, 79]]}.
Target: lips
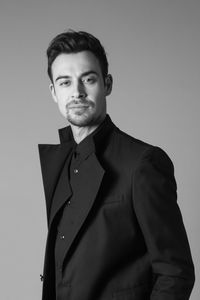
{"points": [[78, 106]]}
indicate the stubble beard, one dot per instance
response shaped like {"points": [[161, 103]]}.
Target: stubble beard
{"points": [[85, 116], [81, 118]]}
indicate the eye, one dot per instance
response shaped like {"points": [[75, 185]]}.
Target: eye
{"points": [[89, 80], [65, 83]]}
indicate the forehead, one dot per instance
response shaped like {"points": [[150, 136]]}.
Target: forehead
{"points": [[74, 64]]}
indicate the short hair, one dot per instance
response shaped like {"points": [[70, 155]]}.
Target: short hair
{"points": [[73, 42]]}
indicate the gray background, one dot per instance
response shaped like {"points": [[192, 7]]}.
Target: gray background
{"points": [[153, 47]]}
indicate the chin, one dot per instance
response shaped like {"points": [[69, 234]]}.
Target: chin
{"points": [[81, 120]]}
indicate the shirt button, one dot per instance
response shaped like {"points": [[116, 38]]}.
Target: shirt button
{"points": [[68, 202], [62, 237], [75, 171]]}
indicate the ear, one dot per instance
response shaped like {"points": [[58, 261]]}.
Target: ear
{"points": [[53, 92], [108, 84]]}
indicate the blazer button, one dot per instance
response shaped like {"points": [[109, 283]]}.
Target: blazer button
{"points": [[41, 277], [75, 171], [62, 237]]}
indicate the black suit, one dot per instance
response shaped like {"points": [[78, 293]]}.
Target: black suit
{"points": [[128, 240]]}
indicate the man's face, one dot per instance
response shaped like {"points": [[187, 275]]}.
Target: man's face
{"points": [[79, 89]]}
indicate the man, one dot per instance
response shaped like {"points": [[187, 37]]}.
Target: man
{"points": [[114, 227]]}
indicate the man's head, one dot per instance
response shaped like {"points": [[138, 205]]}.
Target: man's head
{"points": [[74, 42], [78, 70]]}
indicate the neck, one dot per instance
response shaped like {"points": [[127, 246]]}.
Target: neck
{"points": [[80, 133]]}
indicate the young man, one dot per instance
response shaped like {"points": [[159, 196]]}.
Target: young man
{"points": [[115, 230]]}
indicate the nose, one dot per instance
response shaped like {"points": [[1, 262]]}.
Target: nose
{"points": [[78, 91]]}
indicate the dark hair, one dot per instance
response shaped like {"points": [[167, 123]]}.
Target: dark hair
{"points": [[73, 42]]}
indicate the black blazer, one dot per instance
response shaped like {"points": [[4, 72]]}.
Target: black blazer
{"points": [[128, 240]]}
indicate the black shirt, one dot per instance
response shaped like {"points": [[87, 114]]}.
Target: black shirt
{"points": [[72, 206]]}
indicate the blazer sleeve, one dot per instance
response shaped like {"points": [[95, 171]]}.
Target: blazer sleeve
{"points": [[155, 203]]}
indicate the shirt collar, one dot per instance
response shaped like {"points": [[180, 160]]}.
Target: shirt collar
{"points": [[93, 142]]}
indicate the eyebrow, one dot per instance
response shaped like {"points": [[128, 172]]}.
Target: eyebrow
{"points": [[82, 75]]}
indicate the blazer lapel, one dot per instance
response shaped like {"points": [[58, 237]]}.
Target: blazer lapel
{"points": [[52, 159], [63, 190], [92, 180]]}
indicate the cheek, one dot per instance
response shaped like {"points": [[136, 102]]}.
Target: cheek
{"points": [[100, 99], [61, 100], [62, 108], [97, 94], [62, 97]]}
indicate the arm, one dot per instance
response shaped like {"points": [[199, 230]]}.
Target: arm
{"points": [[156, 207]]}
